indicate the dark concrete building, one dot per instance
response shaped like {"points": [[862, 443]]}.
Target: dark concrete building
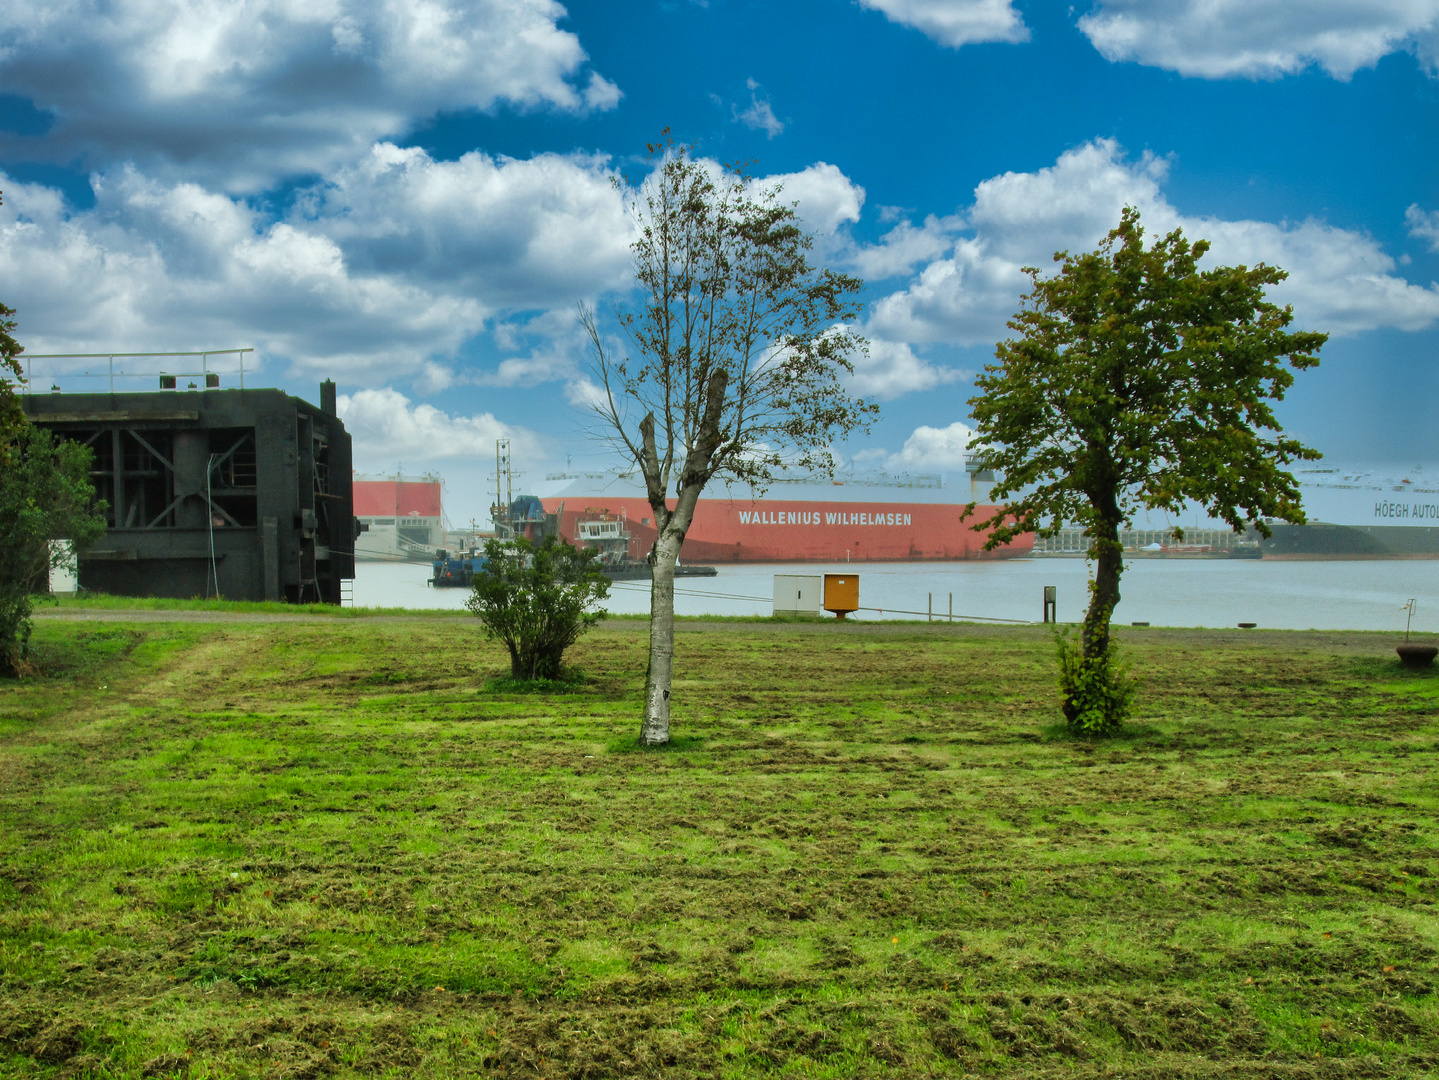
{"points": [[243, 494]]}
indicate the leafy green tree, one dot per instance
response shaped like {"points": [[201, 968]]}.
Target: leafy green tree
{"points": [[537, 600], [742, 347], [45, 495], [12, 417], [1137, 381]]}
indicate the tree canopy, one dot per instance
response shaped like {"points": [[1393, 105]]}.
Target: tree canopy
{"points": [[45, 494], [742, 344], [12, 418], [1137, 381], [740, 347]]}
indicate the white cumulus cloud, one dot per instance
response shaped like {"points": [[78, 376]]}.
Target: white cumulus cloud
{"points": [[759, 115], [963, 299], [1260, 39], [1424, 225], [558, 345], [387, 427], [928, 449], [892, 369], [827, 199], [396, 260], [387, 269], [154, 266], [1341, 281], [956, 22], [240, 93], [538, 232], [904, 246]]}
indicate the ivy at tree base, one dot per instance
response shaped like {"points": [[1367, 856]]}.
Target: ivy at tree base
{"points": [[1096, 692]]}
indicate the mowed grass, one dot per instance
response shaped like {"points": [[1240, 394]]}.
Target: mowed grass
{"points": [[104, 602], [347, 849]]}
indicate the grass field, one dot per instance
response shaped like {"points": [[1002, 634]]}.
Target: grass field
{"points": [[343, 849], [93, 602]]}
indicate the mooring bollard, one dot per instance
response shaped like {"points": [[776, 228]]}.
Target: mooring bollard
{"points": [[1051, 606]]}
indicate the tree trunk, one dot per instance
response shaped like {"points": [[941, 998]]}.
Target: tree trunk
{"points": [[1104, 596], [655, 727], [673, 526]]}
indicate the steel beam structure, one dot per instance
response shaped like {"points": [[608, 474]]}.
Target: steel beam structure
{"points": [[244, 494]]}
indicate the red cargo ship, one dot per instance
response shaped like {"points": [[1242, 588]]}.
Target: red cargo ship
{"points": [[853, 519]]}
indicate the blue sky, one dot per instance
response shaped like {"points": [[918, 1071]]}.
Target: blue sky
{"points": [[412, 197]]}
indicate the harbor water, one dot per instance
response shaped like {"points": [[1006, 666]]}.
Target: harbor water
{"points": [[1288, 595]]}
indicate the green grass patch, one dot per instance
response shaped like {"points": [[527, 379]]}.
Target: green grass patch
{"points": [[348, 849], [89, 601], [573, 681], [630, 744]]}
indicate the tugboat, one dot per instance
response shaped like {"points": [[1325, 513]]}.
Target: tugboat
{"points": [[456, 570], [522, 518]]}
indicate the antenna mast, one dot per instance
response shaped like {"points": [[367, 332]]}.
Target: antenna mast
{"points": [[504, 483]]}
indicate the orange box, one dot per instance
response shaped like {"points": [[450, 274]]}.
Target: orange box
{"points": [[841, 593]]}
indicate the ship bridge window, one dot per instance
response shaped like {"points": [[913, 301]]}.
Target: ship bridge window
{"points": [[599, 530], [384, 521]]}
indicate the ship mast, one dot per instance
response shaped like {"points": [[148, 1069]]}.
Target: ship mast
{"points": [[504, 490]]}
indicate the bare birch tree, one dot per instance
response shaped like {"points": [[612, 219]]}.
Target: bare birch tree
{"points": [[740, 349]]}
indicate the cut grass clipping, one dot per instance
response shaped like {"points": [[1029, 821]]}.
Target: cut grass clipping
{"points": [[345, 849]]}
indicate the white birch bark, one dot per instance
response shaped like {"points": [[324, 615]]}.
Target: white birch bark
{"points": [[742, 348], [673, 525], [655, 727]]}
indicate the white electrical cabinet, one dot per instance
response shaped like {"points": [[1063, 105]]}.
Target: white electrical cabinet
{"points": [[798, 594]]}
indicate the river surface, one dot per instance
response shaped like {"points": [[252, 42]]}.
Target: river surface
{"points": [[1289, 595]]}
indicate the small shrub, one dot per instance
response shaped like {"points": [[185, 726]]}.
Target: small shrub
{"points": [[1095, 692], [536, 600]]}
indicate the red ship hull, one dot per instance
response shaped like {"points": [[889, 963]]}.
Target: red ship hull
{"points": [[778, 530]]}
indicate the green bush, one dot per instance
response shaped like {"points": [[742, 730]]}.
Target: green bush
{"points": [[1095, 692], [537, 601], [45, 494]]}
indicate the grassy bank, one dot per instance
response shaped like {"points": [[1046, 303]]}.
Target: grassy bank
{"points": [[99, 602], [305, 850], [47, 606]]}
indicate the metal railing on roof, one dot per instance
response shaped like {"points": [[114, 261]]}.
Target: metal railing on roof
{"points": [[111, 373]]}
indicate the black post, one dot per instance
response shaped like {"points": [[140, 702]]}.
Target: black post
{"points": [[1051, 606]]}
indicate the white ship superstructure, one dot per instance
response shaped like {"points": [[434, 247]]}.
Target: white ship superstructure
{"points": [[403, 518]]}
